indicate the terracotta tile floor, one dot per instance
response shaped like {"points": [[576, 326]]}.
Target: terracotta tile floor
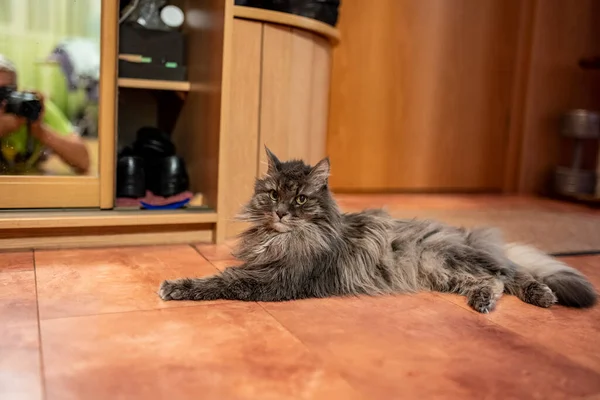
{"points": [[87, 324]]}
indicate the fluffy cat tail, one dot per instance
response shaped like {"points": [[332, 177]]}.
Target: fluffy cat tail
{"points": [[571, 288]]}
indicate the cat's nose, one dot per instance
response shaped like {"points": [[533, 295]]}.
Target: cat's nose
{"points": [[281, 214]]}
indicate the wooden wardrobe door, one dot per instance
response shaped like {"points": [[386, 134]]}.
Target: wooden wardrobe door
{"points": [[421, 94]]}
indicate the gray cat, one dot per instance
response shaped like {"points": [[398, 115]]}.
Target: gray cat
{"points": [[300, 245]]}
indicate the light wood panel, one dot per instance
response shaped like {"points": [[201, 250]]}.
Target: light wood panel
{"points": [[224, 119], [294, 94], [196, 134], [275, 90], [319, 105], [70, 219], [69, 239], [240, 156], [300, 96], [421, 94], [48, 191], [107, 123], [154, 84], [563, 32], [278, 98]]}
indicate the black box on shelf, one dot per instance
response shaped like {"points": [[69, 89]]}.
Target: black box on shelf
{"points": [[161, 54], [151, 71]]}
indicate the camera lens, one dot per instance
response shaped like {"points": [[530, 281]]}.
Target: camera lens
{"points": [[23, 104]]}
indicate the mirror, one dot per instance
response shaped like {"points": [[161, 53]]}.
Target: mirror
{"points": [[49, 83]]}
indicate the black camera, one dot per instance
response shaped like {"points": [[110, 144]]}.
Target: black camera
{"points": [[22, 104]]}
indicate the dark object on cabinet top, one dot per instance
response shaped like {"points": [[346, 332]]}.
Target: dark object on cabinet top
{"points": [[151, 54], [160, 46], [326, 11]]}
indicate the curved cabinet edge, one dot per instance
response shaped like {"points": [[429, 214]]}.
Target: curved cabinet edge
{"points": [[297, 21]]}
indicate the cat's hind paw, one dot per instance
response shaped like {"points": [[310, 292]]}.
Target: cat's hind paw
{"points": [[539, 295], [173, 290]]}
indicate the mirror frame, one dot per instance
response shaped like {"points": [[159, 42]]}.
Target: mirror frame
{"points": [[26, 192]]}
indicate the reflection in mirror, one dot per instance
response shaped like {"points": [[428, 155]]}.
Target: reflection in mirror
{"points": [[49, 76]]}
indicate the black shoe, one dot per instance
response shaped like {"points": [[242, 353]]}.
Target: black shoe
{"points": [[172, 178], [131, 178], [153, 144]]}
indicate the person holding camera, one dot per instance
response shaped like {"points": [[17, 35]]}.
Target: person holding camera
{"points": [[29, 124]]}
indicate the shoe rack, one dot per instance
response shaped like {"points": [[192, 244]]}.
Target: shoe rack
{"points": [[255, 78], [189, 110]]}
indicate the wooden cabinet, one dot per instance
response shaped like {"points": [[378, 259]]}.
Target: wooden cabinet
{"points": [[279, 98], [255, 77]]}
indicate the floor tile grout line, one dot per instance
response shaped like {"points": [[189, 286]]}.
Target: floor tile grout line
{"points": [[440, 297], [473, 312], [39, 328], [310, 350], [194, 304], [203, 256]]}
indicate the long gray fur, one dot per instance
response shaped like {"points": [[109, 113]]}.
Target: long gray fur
{"points": [[295, 251]]}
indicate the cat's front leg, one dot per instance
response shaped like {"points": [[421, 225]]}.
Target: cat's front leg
{"points": [[198, 289], [235, 283]]}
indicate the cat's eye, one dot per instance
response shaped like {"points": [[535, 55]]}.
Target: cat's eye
{"points": [[274, 195], [301, 199]]}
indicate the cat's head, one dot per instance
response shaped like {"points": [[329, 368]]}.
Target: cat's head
{"points": [[292, 195]]}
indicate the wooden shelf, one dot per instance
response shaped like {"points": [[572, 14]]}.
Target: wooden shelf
{"points": [[196, 203], [81, 219], [154, 84]]}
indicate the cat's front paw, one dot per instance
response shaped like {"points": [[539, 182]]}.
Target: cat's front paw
{"points": [[483, 300], [173, 290]]}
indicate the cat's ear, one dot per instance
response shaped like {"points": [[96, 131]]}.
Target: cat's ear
{"points": [[320, 172], [273, 161]]}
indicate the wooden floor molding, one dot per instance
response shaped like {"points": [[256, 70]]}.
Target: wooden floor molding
{"points": [[106, 236]]}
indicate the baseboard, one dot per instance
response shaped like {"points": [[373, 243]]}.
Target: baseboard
{"points": [[63, 238]]}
